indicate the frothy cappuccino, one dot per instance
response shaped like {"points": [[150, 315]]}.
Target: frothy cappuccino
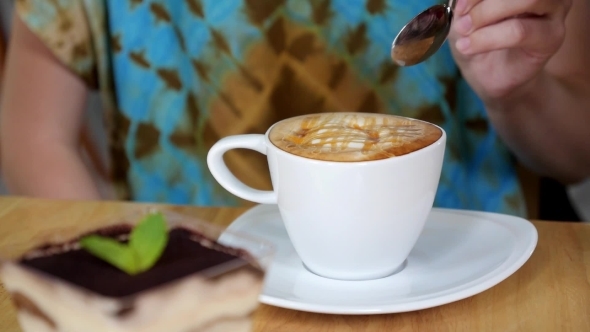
{"points": [[352, 136]]}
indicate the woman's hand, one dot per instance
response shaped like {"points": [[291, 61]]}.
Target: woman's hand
{"points": [[501, 45]]}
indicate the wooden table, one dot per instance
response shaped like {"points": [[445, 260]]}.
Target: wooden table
{"points": [[551, 292]]}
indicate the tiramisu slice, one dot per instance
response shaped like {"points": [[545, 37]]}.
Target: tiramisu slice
{"points": [[194, 283]]}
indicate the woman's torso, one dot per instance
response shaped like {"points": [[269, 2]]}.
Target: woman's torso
{"points": [[187, 73]]}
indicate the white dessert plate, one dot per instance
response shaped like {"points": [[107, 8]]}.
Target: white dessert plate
{"points": [[459, 254]]}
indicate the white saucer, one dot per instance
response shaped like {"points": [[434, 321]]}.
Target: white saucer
{"points": [[458, 255]]}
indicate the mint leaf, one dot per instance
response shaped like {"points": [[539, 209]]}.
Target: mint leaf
{"points": [[146, 244], [111, 251], [148, 240]]}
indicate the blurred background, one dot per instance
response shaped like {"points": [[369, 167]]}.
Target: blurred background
{"points": [[546, 199]]}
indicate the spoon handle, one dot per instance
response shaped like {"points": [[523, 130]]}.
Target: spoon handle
{"points": [[452, 4]]}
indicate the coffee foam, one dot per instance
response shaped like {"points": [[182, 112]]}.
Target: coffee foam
{"points": [[352, 136]]}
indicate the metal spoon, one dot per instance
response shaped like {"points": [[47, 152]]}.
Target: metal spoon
{"points": [[423, 35]]}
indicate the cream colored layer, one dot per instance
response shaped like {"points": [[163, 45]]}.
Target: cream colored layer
{"points": [[190, 304]]}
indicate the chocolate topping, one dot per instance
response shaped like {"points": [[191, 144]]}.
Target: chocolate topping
{"points": [[186, 253]]}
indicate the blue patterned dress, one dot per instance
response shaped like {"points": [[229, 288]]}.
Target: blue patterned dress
{"points": [[177, 75]]}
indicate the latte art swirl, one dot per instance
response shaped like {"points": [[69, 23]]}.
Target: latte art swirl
{"points": [[352, 136], [339, 138]]}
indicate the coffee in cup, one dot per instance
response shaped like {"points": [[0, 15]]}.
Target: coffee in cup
{"points": [[349, 137]]}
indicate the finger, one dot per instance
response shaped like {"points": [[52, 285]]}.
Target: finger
{"points": [[537, 36], [489, 12], [464, 6]]}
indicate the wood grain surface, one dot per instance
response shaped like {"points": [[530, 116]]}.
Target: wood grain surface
{"points": [[551, 292]]}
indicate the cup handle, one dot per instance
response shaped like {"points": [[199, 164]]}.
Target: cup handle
{"points": [[224, 176]]}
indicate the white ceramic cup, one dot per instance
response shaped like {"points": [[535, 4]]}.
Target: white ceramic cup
{"points": [[346, 220]]}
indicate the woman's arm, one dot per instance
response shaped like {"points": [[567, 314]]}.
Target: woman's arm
{"points": [[40, 121], [530, 63]]}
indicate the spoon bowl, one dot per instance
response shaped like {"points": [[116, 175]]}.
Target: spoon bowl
{"points": [[422, 36]]}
